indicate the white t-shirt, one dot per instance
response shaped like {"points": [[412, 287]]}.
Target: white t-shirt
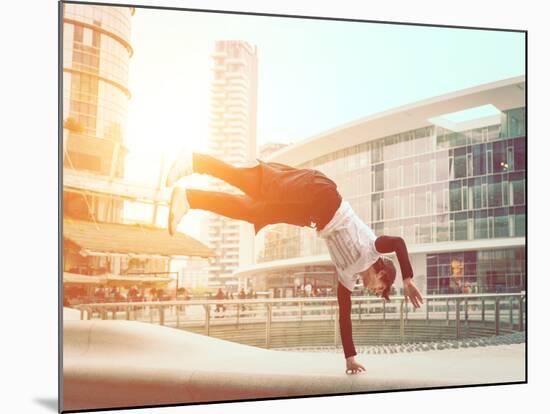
{"points": [[350, 243]]}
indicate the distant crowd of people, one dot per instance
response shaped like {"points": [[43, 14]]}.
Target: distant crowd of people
{"points": [[74, 295]]}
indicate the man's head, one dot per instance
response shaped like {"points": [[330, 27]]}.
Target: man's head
{"points": [[379, 278]]}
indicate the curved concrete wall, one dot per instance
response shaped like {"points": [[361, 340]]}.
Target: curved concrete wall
{"points": [[122, 364]]}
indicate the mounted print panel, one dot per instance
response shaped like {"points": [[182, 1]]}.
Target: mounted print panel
{"points": [[265, 206]]}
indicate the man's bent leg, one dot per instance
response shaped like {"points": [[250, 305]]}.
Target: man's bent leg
{"points": [[234, 206], [245, 179]]}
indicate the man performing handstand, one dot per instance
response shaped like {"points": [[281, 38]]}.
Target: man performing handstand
{"points": [[276, 193]]}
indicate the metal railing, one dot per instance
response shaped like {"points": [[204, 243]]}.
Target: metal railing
{"points": [[497, 312]]}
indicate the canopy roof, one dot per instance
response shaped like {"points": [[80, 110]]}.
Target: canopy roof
{"points": [[96, 238], [114, 280]]}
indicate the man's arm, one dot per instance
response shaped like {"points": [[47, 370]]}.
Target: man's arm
{"points": [[344, 307], [389, 244]]}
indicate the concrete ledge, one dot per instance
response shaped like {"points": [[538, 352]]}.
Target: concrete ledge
{"points": [[122, 363]]}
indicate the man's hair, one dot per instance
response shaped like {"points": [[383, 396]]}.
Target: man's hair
{"points": [[388, 273]]}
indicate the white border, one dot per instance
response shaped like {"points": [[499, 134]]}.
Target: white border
{"points": [[29, 204]]}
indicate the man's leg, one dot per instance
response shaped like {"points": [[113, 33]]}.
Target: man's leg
{"points": [[245, 179], [234, 206]]}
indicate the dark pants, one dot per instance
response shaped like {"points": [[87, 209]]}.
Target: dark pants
{"points": [[273, 193]]}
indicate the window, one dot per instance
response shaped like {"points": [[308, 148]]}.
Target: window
{"points": [[442, 166], [96, 38], [495, 190], [501, 223], [489, 161], [420, 203], [478, 160], [379, 177], [442, 223], [460, 163], [461, 226], [480, 224], [78, 34], [456, 196], [510, 158], [519, 222], [516, 189], [499, 157], [519, 154], [465, 197], [505, 192]]}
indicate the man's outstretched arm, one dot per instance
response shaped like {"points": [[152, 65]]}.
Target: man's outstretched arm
{"points": [[344, 307], [390, 244]]}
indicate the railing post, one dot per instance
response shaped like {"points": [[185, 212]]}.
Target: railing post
{"points": [[81, 313], [483, 310], [497, 316], [384, 310], [401, 321], [207, 319], [238, 312], [447, 316], [466, 311], [89, 313], [520, 313], [103, 314], [177, 316], [268, 326], [150, 313], [161, 315], [511, 313], [457, 318], [114, 313], [427, 309], [359, 310], [127, 312], [301, 307]]}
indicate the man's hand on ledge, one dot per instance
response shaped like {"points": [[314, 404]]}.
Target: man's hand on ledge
{"points": [[412, 292], [352, 366]]}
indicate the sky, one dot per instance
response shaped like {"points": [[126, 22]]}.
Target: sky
{"points": [[313, 75]]}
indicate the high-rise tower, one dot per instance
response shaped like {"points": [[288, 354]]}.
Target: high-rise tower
{"points": [[233, 140]]}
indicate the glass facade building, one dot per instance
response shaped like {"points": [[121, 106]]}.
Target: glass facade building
{"points": [[96, 57], [457, 197]]}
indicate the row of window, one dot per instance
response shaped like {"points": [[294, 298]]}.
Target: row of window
{"points": [[476, 225], [421, 141], [500, 270], [113, 19]]}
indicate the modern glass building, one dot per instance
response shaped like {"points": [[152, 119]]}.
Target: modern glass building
{"points": [[447, 174], [96, 57]]}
